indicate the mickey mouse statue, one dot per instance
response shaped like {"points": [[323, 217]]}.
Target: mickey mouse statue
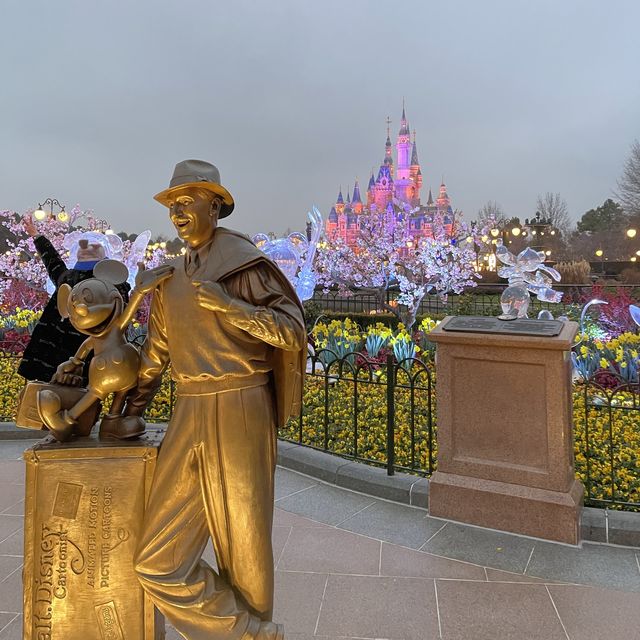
{"points": [[95, 308]]}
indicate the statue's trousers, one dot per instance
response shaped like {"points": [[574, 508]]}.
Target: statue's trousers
{"points": [[214, 477]]}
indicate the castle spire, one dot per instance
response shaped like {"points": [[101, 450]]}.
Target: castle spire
{"points": [[340, 199], [414, 151], [404, 127], [356, 193], [430, 198]]}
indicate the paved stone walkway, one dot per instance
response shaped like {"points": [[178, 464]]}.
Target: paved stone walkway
{"points": [[349, 566]]}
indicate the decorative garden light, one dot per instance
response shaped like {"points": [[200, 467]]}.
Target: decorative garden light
{"points": [[515, 231], [599, 253], [40, 213], [495, 232], [631, 233]]}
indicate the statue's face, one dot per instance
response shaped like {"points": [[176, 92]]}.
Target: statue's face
{"points": [[194, 214]]}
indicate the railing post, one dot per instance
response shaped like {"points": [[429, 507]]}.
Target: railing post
{"points": [[391, 382]]}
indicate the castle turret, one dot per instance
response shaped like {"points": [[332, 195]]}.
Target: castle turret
{"points": [[371, 190], [340, 202], [388, 153], [443, 200], [415, 174], [403, 182], [403, 146], [356, 202]]}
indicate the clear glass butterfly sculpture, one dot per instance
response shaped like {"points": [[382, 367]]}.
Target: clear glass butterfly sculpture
{"points": [[526, 274]]}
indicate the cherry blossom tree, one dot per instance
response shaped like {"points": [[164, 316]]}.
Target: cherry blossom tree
{"points": [[386, 254], [22, 274]]}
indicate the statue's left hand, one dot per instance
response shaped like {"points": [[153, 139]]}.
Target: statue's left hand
{"points": [[148, 279], [211, 295]]}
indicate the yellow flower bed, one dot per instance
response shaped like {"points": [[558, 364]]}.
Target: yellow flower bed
{"points": [[371, 439], [606, 448], [10, 386]]}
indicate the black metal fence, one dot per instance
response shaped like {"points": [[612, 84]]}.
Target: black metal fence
{"points": [[480, 301], [376, 411], [383, 412], [606, 419]]}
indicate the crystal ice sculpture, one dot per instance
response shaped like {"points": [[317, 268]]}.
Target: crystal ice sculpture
{"points": [[526, 273], [294, 255]]}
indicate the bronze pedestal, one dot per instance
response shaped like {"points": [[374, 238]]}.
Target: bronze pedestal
{"points": [[84, 507]]}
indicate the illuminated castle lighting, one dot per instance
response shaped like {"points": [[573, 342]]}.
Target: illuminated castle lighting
{"points": [[396, 192]]}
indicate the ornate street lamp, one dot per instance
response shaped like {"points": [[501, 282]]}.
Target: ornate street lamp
{"points": [[538, 227], [41, 214]]}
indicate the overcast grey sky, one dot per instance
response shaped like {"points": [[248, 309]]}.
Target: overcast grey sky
{"points": [[510, 98]]}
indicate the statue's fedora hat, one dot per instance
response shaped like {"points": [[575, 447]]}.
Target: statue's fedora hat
{"points": [[197, 173]]}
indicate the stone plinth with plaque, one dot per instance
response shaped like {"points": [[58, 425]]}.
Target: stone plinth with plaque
{"points": [[84, 508], [505, 437]]}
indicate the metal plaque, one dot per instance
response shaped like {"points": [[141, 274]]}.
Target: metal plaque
{"points": [[84, 507], [519, 326]]}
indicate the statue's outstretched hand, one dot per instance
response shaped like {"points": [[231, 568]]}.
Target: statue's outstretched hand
{"points": [[211, 295], [148, 279]]}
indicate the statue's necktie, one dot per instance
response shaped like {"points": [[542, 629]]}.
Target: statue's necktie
{"points": [[193, 262]]}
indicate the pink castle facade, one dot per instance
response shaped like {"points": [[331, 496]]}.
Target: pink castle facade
{"points": [[395, 192]]}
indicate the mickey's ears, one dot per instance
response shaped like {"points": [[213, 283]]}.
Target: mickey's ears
{"points": [[111, 271]]}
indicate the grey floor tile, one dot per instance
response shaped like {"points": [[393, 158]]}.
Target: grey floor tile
{"points": [[8, 564], [288, 482], [172, 634], [13, 545], [283, 518], [11, 471], [581, 610], [393, 523], [297, 601], [495, 575], [13, 631], [5, 619], [368, 607], [11, 593], [481, 546], [330, 551], [14, 510], [401, 562], [13, 449], [8, 525], [494, 610], [10, 495], [613, 567], [279, 537], [325, 503]]}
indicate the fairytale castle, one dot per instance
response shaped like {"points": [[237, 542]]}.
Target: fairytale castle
{"points": [[396, 192]]}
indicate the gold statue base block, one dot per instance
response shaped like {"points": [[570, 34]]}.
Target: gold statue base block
{"points": [[84, 508]]}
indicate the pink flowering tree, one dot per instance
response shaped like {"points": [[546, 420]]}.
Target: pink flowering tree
{"points": [[22, 274], [386, 254]]}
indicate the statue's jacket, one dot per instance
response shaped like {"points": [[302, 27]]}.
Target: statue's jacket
{"points": [[259, 339]]}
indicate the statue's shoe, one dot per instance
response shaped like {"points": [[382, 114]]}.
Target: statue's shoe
{"points": [[122, 427], [57, 420], [270, 631]]}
